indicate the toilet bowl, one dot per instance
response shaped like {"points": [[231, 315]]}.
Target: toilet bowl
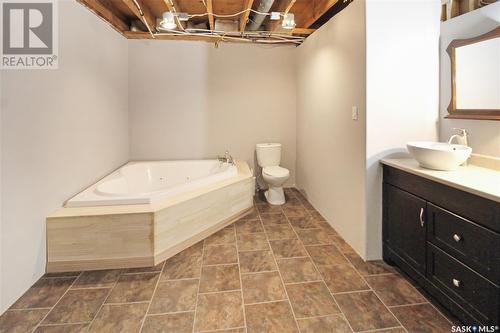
{"points": [[268, 158]]}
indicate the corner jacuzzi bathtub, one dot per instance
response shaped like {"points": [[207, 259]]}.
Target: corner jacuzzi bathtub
{"points": [[146, 212], [152, 182]]}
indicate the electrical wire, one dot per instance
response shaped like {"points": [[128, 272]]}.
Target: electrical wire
{"points": [[229, 15]]}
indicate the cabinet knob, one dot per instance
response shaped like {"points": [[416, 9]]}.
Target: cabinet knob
{"points": [[457, 238], [456, 283]]}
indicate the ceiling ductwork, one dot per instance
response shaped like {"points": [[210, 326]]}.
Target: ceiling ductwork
{"points": [[264, 7]]}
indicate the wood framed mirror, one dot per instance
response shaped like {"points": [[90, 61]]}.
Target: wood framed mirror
{"points": [[475, 77]]}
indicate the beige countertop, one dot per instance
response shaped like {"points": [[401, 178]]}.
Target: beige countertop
{"points": [[473, 179]]}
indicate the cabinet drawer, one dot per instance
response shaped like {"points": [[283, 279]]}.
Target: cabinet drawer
{"points": [[480, 210], [475, 293], [472, 244]]}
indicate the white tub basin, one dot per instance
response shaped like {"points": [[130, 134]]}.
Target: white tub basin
{"points": [[438, 155]]}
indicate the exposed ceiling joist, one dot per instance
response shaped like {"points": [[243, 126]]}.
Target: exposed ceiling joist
{"points": [[143, 13], [210, 11], [105, 13], [245, 15]]}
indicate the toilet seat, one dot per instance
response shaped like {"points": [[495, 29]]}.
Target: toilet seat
{"points": [[276, 171]]}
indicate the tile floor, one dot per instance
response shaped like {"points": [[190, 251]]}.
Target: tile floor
{"points": [[280, 269]]}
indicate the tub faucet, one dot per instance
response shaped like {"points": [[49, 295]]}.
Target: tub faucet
{"points": [[462, 138], [227, 158]]}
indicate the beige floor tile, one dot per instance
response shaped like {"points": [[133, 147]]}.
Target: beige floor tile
{"points": [[174, 323], [279, 231], [103, 278], [248, 226], [192, 251], [262, 287], [219, 278], [220, 254], [120, 318], [298, 270], [326, 255], [182, 268], [287, 248], [297, 211], [77, 306], [421, 318], [223, 236], [21, 321], [342, 278], [65, 328], [276, 317], [306, 222], [317, 215], [394, 290], [256, 261], [274, 219], [268, 209], [175, 296], [311, 299], [44, 293], [253, 215], [314, 236], [134, 288], [219, 311], [252, 242], [328, 324], [364, 311]]}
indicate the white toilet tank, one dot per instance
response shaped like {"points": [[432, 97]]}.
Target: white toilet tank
{"points": [[268, 154]]}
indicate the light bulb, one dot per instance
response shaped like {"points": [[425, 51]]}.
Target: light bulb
{"points": [[168, 22], [288, 21]]}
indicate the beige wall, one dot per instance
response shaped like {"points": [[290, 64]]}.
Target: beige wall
{"points": [[402, 91], [191, 100], [484, 135], [330, 145], [61, 130]]}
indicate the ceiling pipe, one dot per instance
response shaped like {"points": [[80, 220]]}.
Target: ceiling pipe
{"points": [[256, 22]]}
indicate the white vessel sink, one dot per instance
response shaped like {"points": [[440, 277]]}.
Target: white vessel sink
{"points": [[438, 155]]}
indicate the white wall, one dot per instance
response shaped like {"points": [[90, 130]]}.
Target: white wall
{"points": [[60, 131], [331, 146], [402, 91], [190, 100], [484, 135]]}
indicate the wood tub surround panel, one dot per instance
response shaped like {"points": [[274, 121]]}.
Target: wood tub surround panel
{"points": [[447, 240], [83, 239]]}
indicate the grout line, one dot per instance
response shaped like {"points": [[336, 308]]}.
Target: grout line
{"points": [[381, 329], [268, 302], [64, 324], [253, 273], [319, 272], [102, 305], [403, 305], [199, 283], [124, 303], [279, 272], [168, 313], [60, 298], [151, 299], [219, 292], [223, 329], [241, 281], [350, 292]]}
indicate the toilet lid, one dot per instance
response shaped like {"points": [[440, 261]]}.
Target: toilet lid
{"points": [[276, 171]]}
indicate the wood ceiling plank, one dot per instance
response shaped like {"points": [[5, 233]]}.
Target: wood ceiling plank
{"points": [[105, 13], [143, 13], [320, 7], [245, 15]]}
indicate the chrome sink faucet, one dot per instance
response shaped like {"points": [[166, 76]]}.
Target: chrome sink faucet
{"points": [[462, 138]]}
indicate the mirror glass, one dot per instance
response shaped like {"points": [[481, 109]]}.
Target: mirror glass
{"points": [[477, 75]]}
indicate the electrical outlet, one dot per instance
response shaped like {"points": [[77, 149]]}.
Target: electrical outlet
{"points": [[354, 113]]}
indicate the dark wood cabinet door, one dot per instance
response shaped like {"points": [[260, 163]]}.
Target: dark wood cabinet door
{"points": [[404, 226]]}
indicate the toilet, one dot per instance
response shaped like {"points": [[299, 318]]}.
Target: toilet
{"points": [[268, 158]]}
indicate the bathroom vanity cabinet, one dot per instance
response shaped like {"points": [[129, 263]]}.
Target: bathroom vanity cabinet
{"points": [[447, 240]]}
